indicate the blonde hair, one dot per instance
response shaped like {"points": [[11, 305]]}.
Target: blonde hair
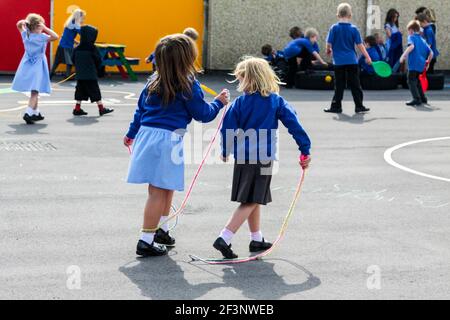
{"points": [[76, 16], [413, 25], [311, 32], [175, 71], [191, 33], [256, 75], [33, 20], [344, 10]]}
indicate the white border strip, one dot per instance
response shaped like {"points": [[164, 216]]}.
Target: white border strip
{"points": [[388, 158]]}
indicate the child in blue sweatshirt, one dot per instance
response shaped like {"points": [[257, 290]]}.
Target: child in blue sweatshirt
{"points": [[305, 49], [419, 55], [64, 52], [341, 41], [370, 43], [169, 102], [249, 132], [430, 37]]}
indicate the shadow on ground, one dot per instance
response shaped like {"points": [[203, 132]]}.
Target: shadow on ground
{"points": [[163, 278], [358, 118], [25, 129]]}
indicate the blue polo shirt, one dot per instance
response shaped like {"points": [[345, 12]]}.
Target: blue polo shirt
{"points": [[343, 37], [418, 57], [428, 33], [295, 47]]}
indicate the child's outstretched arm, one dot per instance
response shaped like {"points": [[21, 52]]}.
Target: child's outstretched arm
{"points": [[406, 53], [201, 110], [319, 58], [365, 53], [288, 117]]}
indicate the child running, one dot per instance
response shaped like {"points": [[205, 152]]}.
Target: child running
{"points": [[419, 56], [65, 48], [32, 74], [169, 102], [249, 132], [87, 64]]}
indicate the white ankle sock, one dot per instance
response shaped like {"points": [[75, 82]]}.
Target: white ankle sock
{"points": [[256, 236], [37, 111], [148, 237], [226, 235], [163, 224], [29, 111]]}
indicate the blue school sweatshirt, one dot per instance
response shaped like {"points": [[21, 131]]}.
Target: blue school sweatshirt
{"points": [[295, 47], [177, 115], [418, 57], [374, 55], [249, 130], [430, 37], [69, 35], [343, 37]]}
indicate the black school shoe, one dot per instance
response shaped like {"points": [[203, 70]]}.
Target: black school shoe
{"points": [[164, 238], [104, 111], [257, 246], [414, 103], [28, 119], [79, 112], [150, 250], [332, 110], [37, 117], [361, 109], [225, 249]]}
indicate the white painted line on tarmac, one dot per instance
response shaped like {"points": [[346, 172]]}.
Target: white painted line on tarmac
{"points": [[388, 158]]}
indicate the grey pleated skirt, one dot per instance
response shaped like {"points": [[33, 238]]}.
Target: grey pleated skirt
{"points": [[251, 183]]}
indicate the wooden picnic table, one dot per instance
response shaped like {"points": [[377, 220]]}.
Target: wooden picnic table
{"points": [[113, 55]]}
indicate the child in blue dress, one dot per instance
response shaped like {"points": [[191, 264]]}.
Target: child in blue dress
{"points": [[64, 52], [419, 56], [394, 39], [32, 75], [169, 102], [249, 132]]}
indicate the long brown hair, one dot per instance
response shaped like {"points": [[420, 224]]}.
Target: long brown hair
{"points": [[175, 71]]}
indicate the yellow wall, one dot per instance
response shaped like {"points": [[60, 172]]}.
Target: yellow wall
{"points": [[136, 23]]}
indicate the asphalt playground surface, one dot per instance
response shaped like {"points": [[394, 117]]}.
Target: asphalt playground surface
{"points": [[363, 228]]}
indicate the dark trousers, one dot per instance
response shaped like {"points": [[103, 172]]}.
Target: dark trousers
{"points": [[415, 87], [292, 71], [347, 74], [431, 68]]}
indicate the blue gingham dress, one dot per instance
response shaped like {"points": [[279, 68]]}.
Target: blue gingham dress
{"points": [[32, 73], [157, 159]]}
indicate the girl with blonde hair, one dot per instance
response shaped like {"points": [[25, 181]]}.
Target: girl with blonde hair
{"points": [[32, 74], [249, 132], [64, 53]]}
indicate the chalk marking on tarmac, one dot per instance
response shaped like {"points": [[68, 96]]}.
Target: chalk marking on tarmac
{"points": [[388, 158], [127, 96]]}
